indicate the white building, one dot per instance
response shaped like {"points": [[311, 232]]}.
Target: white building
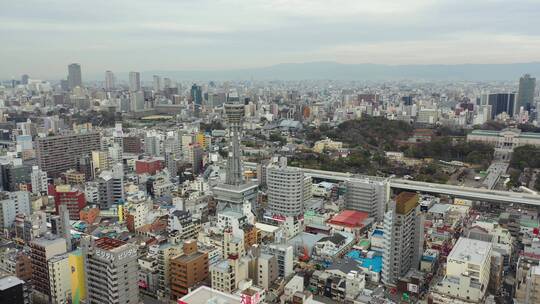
{"points": [[60, 278], [368, 196], [38, 179], [284, 254], [17, 203], [467, 273], [288, 189]]}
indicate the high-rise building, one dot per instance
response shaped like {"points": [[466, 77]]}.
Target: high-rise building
{"points": [[368, 196], [111, 187], [187, 270], [527, 85], [74, 76], [57, 154], [502, 103], [24, 79], [288, 189], [60, 278], [111, 271], [136, 101], [196, 97], [42, 250], [403, 237], [156, 83], [134, 81], [109, 81]]}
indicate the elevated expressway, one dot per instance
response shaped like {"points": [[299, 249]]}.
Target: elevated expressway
{"points": [[478, 194]]}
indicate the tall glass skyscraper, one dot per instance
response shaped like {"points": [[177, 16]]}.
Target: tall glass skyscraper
{"points": [[74, 76], [527, 85]]}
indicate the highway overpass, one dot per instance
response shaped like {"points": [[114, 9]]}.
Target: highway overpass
{"points": [[478, 194]]}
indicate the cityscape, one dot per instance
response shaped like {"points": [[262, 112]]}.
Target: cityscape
{"points": [[264, 182]]}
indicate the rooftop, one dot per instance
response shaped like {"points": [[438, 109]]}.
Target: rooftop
{"points": [[469, 250], [204, 295], [106, 243], [9, 281], [350, 218]]}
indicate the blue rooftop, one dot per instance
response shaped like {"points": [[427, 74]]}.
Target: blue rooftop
{"points": [[374, 264]]}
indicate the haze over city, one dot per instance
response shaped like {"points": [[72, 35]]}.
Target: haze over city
{"points": [[41, 37]]}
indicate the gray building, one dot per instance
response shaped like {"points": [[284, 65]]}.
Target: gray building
{"points": [[57, 154], [288, 189], [110, 187], [134, 81], [74, 76], [527, 85], [403, 237], [368, 196], [111, 269]]}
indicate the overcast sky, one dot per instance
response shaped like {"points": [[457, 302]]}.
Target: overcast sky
{"points": [[42, 37]]}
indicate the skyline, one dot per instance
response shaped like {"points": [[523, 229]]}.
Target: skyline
{"points": [[41, 39]]}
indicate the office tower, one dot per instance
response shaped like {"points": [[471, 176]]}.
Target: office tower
{"points": [[111, 270], [196, 97], [527, 85], [72, 198], [17, 203], [42, 250], [74, 76], [13, 290], [403, 237], [188, 270], [137, 101], [60, 278], [57, 154], [109, 81], [235, 191], [368, 196], [38, 180], [152, 144], [467, 273], [134, 81], [407, 100], [111, 187], [288, 189], [502, 103], [24, 79], [156, 83]]}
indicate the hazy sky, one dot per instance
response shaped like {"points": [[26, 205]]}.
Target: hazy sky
{"points": [[42, 37]]}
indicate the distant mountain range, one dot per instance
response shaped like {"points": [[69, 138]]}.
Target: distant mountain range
{"points": [[376, 72]]}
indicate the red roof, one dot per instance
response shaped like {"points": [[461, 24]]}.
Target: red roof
{"points": [[350, 218]]}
